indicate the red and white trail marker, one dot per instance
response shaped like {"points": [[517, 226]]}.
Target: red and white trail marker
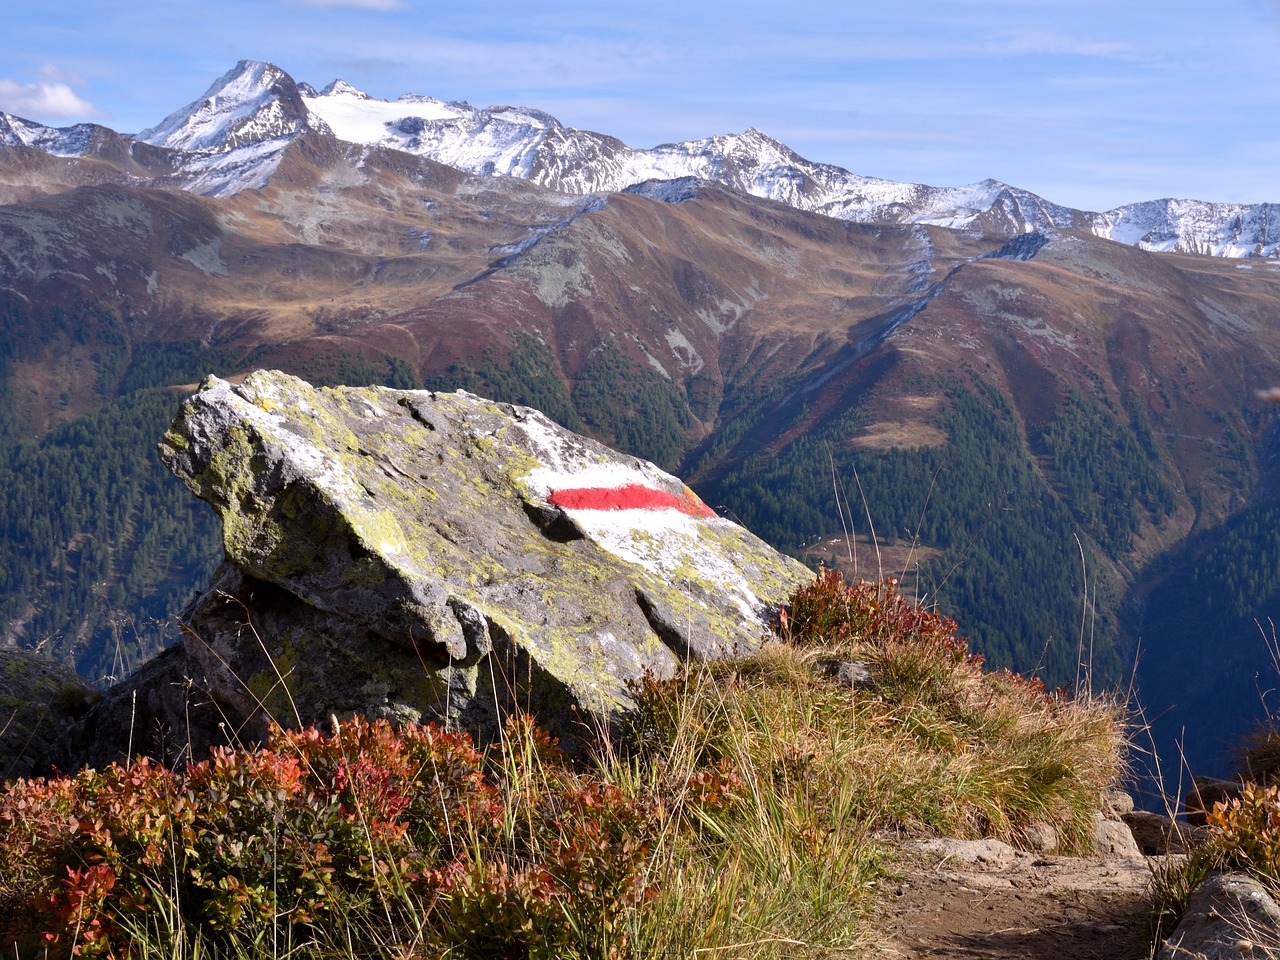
{"points": [[637, 512], [631, 496]]}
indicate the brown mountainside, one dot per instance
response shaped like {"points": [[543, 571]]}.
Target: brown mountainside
{"points": [[709, 330]]}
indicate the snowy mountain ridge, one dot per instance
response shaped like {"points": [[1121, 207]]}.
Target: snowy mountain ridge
{"points": [[234, 136], [251, 103], [58, 141]]}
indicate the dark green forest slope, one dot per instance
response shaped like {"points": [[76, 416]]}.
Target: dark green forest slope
{"points": [[1011, 566], [101, 545], [1210, 620]]}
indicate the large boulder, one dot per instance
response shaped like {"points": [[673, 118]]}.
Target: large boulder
{"points": [[421, 555], [1229, 915]]}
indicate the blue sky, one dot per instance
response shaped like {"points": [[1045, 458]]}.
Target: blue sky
{"points": [[1085, 102]]}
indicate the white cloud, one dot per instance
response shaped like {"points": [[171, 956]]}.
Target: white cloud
{"points": [[351, 4], [55, 74], [49, 99]]}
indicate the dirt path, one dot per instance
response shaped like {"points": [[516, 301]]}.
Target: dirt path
{"points": [[1015, 906]]}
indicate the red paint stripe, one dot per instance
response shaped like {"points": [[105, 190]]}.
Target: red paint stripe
{"points": [[633, 496]]}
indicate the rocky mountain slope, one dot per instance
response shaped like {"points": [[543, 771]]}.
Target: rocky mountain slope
{"points": [[1049, 426]]}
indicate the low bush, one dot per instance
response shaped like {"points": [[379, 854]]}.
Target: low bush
{"points": [[1244, 834], [749, 808], [1258, 757], [931, 744], [1245, 830], [359, 838], [959, 750]]}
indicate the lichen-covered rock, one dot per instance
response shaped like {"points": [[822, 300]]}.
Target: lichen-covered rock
{"points": [[40, 704], [422, 555]]}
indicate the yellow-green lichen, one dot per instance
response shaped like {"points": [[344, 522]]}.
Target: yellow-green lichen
{"points": [[174, 440]]}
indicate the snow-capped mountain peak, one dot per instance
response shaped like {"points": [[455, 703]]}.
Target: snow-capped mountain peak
{"points": [[520, 142], [341, 87], [498, 140], [73, 141], [1194, 226], [250, 103]]}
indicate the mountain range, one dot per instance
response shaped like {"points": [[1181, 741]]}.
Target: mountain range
{"points": [[1047, 420], [233, 138]]}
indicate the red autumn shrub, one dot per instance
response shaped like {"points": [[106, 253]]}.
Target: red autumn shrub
{"points": [[425, 779], [828, 612], [70, 847], [507, 854]]}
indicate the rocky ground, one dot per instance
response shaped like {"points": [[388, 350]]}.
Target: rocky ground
{"points": [[985, 900]]}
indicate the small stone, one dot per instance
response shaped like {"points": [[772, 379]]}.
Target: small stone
{"points": [[1116, 803], [1204, 793], [855, 674], [1113, 839], [1040, 838], [1158, 835]]}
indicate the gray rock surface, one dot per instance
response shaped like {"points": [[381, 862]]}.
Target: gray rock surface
{"points": [[1040, 837], [419, 556], [988, 852], [1230, 916], [169, 709], [854, 674], [1158, 835], [1116, 803], [1112, 839]]}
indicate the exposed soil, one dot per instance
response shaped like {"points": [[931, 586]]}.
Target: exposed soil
{"points": [[1027, 906]]}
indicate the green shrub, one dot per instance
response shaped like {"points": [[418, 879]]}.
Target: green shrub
{"points": [[936, 744], [1244, 834], [827, 612]]}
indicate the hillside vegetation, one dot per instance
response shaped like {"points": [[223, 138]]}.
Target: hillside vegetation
{"points": [[102, 545], [768, 781], [981, 500], [1222, 602]]}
